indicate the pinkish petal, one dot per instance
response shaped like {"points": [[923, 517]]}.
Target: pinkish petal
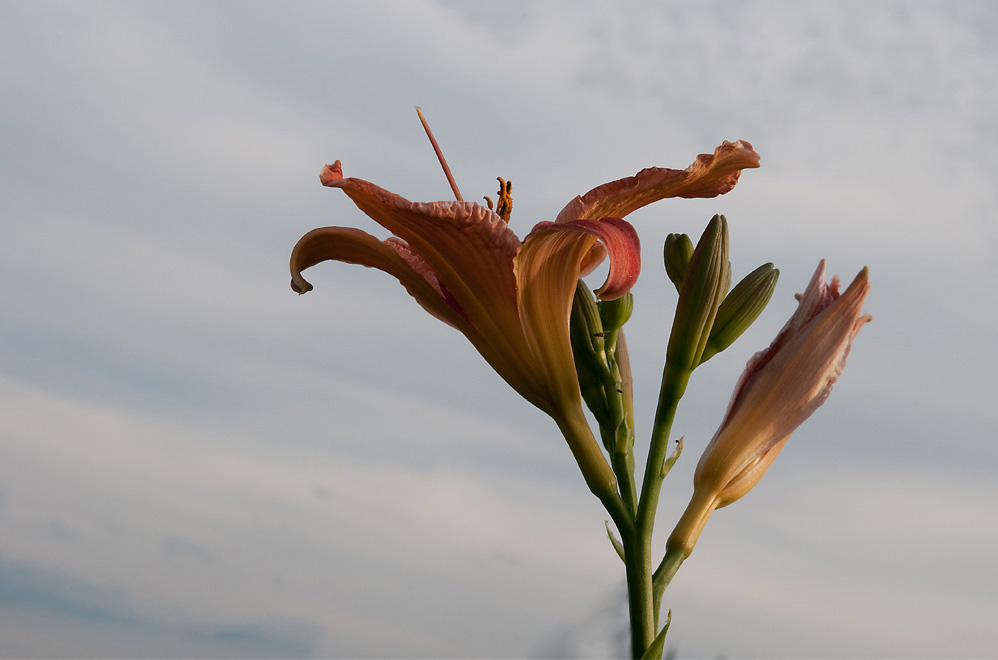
{"points": [[709, 176], [547, 267], [817, 296], [783, 385], [469, 250], [618, 240], [467, 246], [395, 258], [592, 260], [357, 247]]}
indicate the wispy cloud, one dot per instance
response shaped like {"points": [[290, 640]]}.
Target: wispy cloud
{"points": [[210, 465], [103, 623]]}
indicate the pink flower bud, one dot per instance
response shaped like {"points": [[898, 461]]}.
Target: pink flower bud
{"points": [[780, 388]]}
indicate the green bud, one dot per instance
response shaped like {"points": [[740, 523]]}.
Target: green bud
{"points": [[586, 332], [617, 545], [740, 309], [621, 368], [703, 287], [673, 457], [678, 252], [615, 313]]}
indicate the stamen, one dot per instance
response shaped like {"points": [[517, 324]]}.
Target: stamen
{"points": [[488, 201], [440, 155], [504, 207]]}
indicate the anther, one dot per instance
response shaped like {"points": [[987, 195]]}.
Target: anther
{"points": [[504, 207]]}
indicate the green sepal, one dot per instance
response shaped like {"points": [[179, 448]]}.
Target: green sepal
{"points": [[656, 649], [678, 252], [740, 308], [617, 545]]}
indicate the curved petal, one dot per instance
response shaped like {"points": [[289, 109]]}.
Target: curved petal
{"points": [[709, 176], [617, 239], [467, 246], [354, 246], [547, 268], [470, 250]]}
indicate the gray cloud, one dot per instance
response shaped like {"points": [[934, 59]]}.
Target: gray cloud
{"points": [[345, 460], [59, 601]]}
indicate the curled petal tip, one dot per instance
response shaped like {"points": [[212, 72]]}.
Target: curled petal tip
{"points": [[331, 174], [746, 152], [300, 286]]}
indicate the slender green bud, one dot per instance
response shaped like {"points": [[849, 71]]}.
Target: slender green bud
{"points": [[704, 285], [740, 309], [617, 545], [624, 433], [678, 252], [615, 313], [673, 457], [586, 332]]}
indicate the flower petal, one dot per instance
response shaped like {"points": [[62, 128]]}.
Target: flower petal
{"points": [[618, 240], [467, 246], [354, 246], [547, 266], [744, 481], [709, 176], [470, 251]]}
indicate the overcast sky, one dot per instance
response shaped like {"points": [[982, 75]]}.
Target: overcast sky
{"points": [[194, 461]]}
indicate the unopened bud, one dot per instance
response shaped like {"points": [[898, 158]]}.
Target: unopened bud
{"points": [[586, 332], [704, 285], [740, 308], [678, 252], [615, 313], [780, 388]]}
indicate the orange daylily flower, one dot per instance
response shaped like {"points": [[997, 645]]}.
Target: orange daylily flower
{"points": [[779, 389], [513, 299]]}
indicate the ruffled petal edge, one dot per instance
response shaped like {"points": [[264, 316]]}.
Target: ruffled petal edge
{"points": [[710, 175]]}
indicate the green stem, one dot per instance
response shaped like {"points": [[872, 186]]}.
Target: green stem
{"points": [[621, 517], [663, 576], [674, 383], [643, 597], [637, 560], [623, 466]]}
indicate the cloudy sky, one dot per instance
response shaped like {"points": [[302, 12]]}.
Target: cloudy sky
{"points": [[194, 461]]}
